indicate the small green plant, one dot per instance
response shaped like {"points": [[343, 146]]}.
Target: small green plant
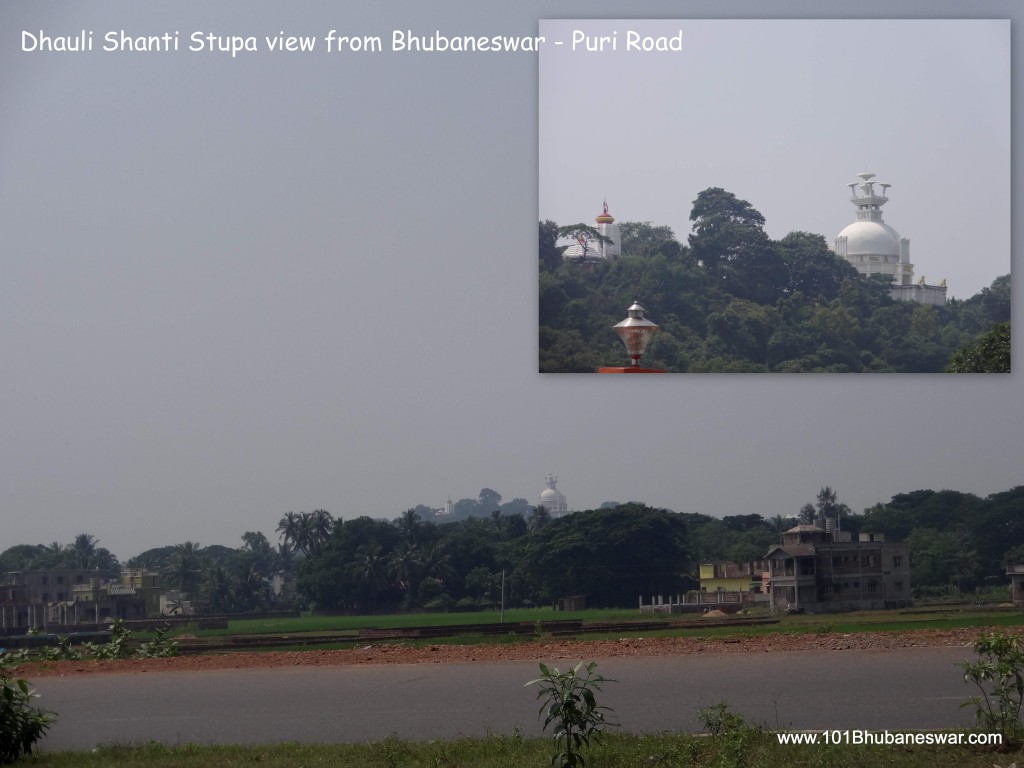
{"points": [[160, 646], [21, 724], [118, 647], [731, 735], [570, 705], [62, 651], [718, 719], [999, 675]]}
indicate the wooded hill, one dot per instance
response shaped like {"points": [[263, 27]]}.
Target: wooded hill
{"points": [[733, 300], [958, 542]]}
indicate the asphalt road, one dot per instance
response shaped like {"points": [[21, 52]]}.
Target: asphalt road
{"points": [[905, 689]]}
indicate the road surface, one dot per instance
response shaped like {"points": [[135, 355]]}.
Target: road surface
{"points": [[903, 689]]}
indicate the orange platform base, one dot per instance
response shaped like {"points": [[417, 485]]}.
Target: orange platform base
{"points": [[631, 370]]}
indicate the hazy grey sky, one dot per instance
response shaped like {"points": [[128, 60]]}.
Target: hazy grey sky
{"points": [[784, 114], [238, 286]]}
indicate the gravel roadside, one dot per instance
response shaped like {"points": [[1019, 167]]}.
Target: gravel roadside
{"points": [[544, 650]]}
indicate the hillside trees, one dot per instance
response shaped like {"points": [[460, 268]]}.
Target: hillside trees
{"points": [[730, 242], [732, 299], [957, 540], [988, 353]]}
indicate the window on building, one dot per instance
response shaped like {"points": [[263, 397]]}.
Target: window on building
{"points": [[899, 586], [872, 586], [45, 580], [79, 579], [60, 579], [897, 561]]}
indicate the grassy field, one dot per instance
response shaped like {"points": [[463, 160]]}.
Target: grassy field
{"points": [[746, 747], [347, 627], [312, 623]]}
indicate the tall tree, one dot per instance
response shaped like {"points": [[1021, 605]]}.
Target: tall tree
{"points": [[369, 570], [289, 528], [184, 571], [549, 252], [318, 529], [404, 565], [807, 514], [82, 551], [409, 525]]}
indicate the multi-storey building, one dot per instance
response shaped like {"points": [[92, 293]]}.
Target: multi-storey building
{"points": [[61, 597], [819, 569]]}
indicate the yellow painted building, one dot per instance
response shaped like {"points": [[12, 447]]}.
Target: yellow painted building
{"points": [[730, 577]]}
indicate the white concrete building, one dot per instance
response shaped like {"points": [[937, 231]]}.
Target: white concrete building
{"points": [[875, 248]]}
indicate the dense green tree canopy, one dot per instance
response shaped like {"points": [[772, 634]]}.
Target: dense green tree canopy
{"points": [[732, 299], [989, 353], [958, 541]]}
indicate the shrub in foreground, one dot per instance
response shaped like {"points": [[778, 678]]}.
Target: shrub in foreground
{"points": [[21, 724]]}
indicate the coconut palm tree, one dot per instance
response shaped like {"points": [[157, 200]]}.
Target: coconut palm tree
{"points": [[81, 553], [184, 569], [369, 571], [319, 527], [289, 528], [435, 564], [410, 526], [404, 566]]}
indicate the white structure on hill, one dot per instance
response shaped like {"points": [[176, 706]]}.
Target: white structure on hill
{"points": [[552, 499], [586, 250], [875, 248]]}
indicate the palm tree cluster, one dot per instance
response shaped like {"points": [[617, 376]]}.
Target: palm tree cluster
{"points": [[306, 533], [84, 553], [222, 579], [411, 561]]}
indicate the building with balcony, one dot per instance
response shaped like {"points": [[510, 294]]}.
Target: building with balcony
{"points": [[820, 569], [48, 599]]}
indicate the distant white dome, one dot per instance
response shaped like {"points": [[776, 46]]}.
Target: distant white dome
{"points": [[552, 499], [871, 238], [549, 498]]}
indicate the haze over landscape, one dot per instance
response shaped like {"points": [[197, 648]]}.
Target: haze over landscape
{"points": [[235, 287]]}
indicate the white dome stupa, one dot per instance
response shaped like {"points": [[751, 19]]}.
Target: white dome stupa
{"points": [[869, 244]]}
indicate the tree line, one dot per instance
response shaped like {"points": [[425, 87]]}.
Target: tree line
{"points": [[733, 300], [959, 542]]}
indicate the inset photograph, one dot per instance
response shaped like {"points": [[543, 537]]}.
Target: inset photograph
{"points": [[774, 196]]}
